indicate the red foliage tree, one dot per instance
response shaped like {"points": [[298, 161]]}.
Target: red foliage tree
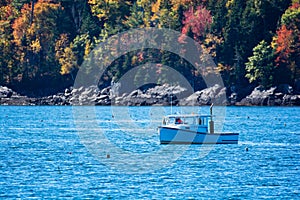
{"points": [[287, 46], [197, 21], [284, 44]]}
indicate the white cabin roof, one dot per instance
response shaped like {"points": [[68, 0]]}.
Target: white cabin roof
{"points": [[186, 116]]}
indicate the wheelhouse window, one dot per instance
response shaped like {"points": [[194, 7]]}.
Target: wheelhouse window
{"points": [[188, 120]]}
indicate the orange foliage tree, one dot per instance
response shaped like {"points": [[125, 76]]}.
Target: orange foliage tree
{"points": [[35, 37], [287, 44]]}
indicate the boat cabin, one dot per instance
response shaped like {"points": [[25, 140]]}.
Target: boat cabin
{"points": [[193, 122]]}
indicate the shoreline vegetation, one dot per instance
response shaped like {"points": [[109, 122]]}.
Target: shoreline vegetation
{"points": [[255, 46], [163, 95]]}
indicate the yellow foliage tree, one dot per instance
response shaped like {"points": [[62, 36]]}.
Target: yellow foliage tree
{"points": [[65, 55]]}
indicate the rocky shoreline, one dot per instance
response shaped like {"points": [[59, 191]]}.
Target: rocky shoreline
{"points": [[163, 95]]}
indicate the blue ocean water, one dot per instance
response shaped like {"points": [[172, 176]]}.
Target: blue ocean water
{"points": [[114, 152]]}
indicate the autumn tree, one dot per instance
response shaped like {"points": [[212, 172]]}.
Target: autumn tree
{"points": [[110, 15], [198, 21], [7, 47], [66, 57], [36, 39], [287, 45]]}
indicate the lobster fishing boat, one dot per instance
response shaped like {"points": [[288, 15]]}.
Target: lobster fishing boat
{"points": [[193, 129]]}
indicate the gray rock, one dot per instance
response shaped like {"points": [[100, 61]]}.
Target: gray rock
{"points": [[286, 100], [260, 97], [215, 94], [74, 91], [135, 93], [5, 92], [278, 99], [68, 91], [102, 97], [105, 91], [291, 100], [233, 98], [295, 100], [191, 100]]}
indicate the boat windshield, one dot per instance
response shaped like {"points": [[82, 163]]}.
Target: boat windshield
{"points": [[188, 120]]}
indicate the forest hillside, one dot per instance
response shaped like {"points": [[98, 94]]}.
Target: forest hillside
{"points": [[253, 42]]}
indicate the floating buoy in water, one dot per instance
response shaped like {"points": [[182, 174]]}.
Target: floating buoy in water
{"points": [[107, 156]]}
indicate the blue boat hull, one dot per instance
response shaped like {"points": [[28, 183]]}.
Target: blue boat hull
{"points": [[169, 135]]}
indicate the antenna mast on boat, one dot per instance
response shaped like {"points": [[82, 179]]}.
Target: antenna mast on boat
{"points": [[211, 122], [211, 111], [171, 100]]}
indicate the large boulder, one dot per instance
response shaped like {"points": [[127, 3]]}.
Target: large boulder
{"points": [[291, 100], [5, 92], [84, 96], [9, 97], [260, 97], [215, 94]]}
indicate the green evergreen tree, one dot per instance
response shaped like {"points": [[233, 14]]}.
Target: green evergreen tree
{"points": [[260, 67], [135, 19]]}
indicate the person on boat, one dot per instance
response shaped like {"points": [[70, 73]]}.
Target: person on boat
{"points": [[178, 121]]}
